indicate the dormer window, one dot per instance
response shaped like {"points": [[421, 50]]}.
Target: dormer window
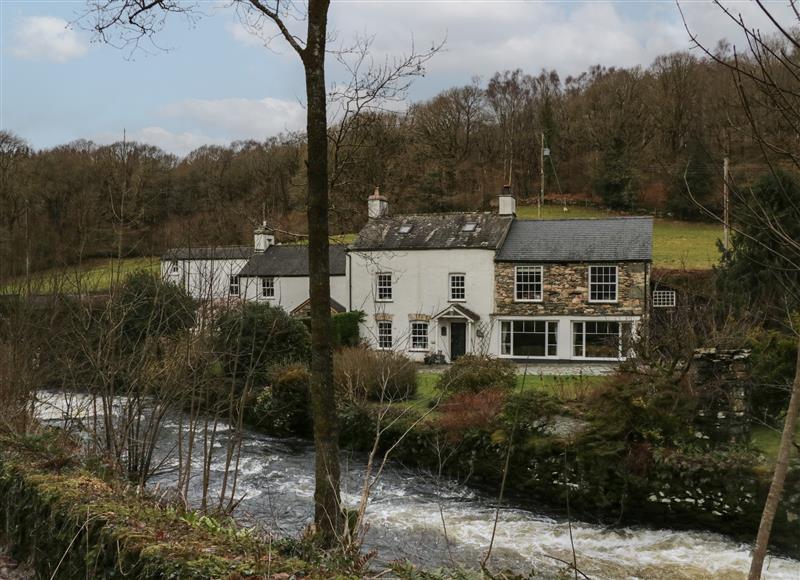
{"points": [[405, 228], [469, 227]]}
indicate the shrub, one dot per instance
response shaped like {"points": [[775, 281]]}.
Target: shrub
{"points": [[149, 306], [529, 410], [773, 360], [472, 373], [467, 411], [282, 407], [253, 338], [346, 328], [364, 374]]}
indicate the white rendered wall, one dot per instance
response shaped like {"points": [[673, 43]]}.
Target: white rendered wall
{"points": [[292, 291], [203, 279], [421, 286]]}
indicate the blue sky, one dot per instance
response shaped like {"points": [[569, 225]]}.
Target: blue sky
{"points": [[217, 82]]}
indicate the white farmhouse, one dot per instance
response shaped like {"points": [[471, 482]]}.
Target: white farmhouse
{"points": [[426, 281], [488, 283], [447, 284]]}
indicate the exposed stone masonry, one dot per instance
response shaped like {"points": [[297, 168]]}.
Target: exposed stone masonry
{"points": [[566, 291]]}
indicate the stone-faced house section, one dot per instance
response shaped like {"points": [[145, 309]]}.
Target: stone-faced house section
{"points": [[206, 273], [424, 281], [279, 276], [571, 289]]}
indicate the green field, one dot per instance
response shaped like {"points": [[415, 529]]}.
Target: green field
{"points": [[91, 276], [676, 244]]}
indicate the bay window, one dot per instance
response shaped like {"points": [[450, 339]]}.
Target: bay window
{"points": [[529, 338], [600, 339]]}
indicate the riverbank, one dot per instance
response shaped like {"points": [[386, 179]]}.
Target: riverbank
{"points": [[613, 455], [67, 521]]}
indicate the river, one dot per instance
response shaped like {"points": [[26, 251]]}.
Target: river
{"points": [[408, 508]]}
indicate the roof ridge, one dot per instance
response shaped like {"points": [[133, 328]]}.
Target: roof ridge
{"points": [[441, 213], [586, 219]]}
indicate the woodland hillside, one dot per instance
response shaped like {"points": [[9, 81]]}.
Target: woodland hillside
{"points": [[623, 138]]}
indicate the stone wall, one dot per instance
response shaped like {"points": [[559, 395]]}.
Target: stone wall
{"points": [[722, 380], [566, 291]]}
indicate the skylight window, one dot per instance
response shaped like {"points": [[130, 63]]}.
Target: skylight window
{"points": [[405, 228], [469, 227]]}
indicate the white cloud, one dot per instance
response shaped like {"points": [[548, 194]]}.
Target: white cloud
{"points": [[485, 37], [47, 38], [196, 122], [179, 143], [238, 118], [241, 34]]}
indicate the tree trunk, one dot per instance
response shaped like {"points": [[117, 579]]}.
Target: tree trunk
{"points": [[327, 509], [778, 477]]}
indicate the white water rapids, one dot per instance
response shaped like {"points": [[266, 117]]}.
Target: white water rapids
{"points": [[408, 510]]}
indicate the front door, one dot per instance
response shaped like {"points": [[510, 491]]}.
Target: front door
{"points": [[458, 339]]}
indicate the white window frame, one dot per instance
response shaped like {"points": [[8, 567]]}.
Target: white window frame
{"points": [[621, 354], [604, 284], [664, 298], [234, 286], [418, 334], [528, 270], [379, 277], [173, 267], [450, 287], [266, 287], [504, 332], [382, 335]]}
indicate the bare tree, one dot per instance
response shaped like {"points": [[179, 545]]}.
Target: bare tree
{"points": [[130, 21], [766, 79]]}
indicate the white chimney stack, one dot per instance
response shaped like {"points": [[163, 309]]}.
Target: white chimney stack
{"points": [[507, 205], [264, 238], [377, 205]]}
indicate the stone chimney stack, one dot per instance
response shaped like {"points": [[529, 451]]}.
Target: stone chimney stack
{"points": [[263, 238], [507, 205], [377, 205]]}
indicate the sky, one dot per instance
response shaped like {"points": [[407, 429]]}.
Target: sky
{"points": [[210, 80]]}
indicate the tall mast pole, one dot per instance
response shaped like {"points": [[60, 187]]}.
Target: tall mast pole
{"points": [[725, 206], [541, 175]]}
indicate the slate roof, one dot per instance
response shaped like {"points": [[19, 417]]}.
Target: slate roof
{"points": [[209, 253], [628, 239], [290, 260], [433, 232], [305, 306]]}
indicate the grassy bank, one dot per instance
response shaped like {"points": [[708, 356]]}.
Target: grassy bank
{"points": [[72, 523], [91, 276]]}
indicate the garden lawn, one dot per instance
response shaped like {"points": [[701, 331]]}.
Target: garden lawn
{"points": [[91, 276], [676, 244], [768, 440], [565, 388]]}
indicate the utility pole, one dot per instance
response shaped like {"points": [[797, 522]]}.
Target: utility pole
{"points": [[725, 206], [541, 175]]}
